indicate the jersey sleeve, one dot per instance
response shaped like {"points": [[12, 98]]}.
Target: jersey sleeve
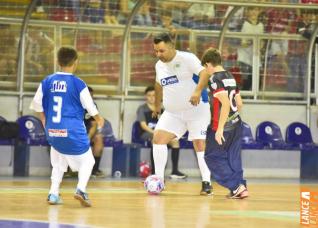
{"points": [[87, 102], [157, 73], [194, 64], [36, 103], [218, 87]]}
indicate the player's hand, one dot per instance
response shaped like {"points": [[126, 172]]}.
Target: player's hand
{"points": [[100, 124], [219, 137], [195, 98]]}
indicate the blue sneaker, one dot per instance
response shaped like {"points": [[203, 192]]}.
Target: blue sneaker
{"points": [[83, 198], [53, 199]]}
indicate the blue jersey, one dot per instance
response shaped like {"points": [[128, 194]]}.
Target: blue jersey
{"points": [[64, 112]]}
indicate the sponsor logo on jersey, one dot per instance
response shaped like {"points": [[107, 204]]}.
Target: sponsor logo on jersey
{"points": [[169, 80], [203, 132], [58, 132], [59, 86], [229, 82]]}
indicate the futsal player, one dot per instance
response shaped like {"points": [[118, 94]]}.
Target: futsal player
{"points": [[61, 100], [223, 143], [176, 73]]}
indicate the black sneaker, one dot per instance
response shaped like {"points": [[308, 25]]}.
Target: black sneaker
{"points": [[83, 198], [206, 188], [178, 175]]}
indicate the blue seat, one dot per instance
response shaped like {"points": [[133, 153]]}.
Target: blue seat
{"points": [[248, 142], [136, 133], [108, 135], [31, 130], [270, 135], [299, 136]]}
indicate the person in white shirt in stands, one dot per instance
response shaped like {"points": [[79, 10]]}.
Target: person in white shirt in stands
{"points": [[177, 73]]}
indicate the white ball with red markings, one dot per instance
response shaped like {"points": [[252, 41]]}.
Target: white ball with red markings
{"points": [[154, 184]]}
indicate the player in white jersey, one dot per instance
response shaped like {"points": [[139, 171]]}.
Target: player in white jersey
{"points": [[61, 99], [177, 73]]}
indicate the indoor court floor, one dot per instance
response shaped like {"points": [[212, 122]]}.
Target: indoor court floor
{"points": [[125, 203]]}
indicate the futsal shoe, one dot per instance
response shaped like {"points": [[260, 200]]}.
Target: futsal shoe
{"points": [[178, 175], [83, 198], [206, 189], [239, 193], [53, 199]]}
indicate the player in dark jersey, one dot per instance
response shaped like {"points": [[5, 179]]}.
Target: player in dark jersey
{"points": [[223, 142]]}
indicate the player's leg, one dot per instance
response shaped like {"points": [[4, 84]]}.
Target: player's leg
{"points": [[175, 150], [168, 127], [83, 164], [218, 160], [197, 125], [59, 166], [97, 147], [235, 161]]}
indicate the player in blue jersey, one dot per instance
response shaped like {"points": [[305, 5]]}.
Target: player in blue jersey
{"points": [[61, 100], [223, 141]]}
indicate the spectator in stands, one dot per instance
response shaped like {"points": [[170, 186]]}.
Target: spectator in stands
{"points": [[148, 124], [166, 22], [199, 16], [279, 21], [297, 53], [96, 139], [143, 17], [176, 9], [245, 51], [8, 55], [39, 52], [94, 11]]}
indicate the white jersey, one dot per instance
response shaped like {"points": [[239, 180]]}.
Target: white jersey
{"points": [[178, 79]]}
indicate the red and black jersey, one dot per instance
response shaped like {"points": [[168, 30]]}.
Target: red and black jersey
{"points": [[223, 82]]}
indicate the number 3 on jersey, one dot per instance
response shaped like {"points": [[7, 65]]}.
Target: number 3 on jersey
{"points": [[57, 107]]}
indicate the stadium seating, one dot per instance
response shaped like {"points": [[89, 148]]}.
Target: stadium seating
{"points": [[299, 136], [248, 142], [270, 135], [32, 131], [109, 137]]}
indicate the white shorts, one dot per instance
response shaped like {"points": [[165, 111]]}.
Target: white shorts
{"points": [[62, 161], [195, 121]]}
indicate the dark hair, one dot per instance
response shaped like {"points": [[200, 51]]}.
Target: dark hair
{"points": [[212, 56], [66, 56], [149, 89], [90, 89], [162, 37]]}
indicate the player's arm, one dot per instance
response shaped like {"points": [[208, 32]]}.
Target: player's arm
{"points": [[145, 127], [239, 102], [225, 110], [36, 104], [158, 98], [204, 77], [92, 129], [88, 104]]}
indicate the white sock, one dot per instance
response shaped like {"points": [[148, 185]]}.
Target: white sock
{"points": [[160, 157], [56, 179], [205, 172]]}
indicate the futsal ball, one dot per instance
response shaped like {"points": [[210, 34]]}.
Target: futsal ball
{"points": [[144, 169], [154, 184]]}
